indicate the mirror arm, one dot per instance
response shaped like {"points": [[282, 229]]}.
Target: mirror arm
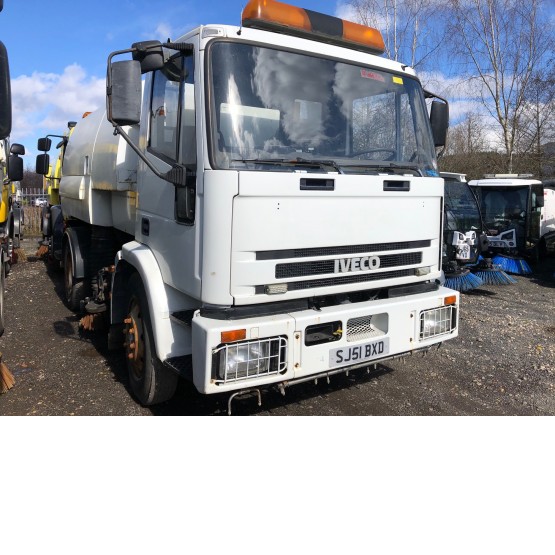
{"points": [[429, 94], [177, 176]]}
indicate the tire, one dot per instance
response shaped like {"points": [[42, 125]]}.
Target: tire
{"points": [[9, 256], [151, 382], [74, 289], [2, 280], [46, 221]]}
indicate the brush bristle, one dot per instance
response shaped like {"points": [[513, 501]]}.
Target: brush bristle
{"points": [[512, 265], [466, 281], [7, 380], [495, 276]]}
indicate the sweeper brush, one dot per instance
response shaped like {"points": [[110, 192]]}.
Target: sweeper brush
{"points": [[7, 380], [462, 280], [512, 264], [92, 322], [42, 250], [492, 274]]}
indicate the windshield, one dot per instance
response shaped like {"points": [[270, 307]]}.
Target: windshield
{"points": [[504, 208], [461, 208], [278, 107]]}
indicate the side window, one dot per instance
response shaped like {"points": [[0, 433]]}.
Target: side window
{"points": [[185, 196], [188, 127], [164, 110]]}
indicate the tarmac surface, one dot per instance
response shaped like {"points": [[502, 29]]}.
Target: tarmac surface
{"points": [[502, 363]]}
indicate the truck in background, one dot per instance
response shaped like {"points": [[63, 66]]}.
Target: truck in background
{"points": [[467, 259], [519, 214], [52, 222], [271, 213], [11, 170]]}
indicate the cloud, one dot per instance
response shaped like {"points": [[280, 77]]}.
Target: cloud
{"points": [[44, 102], [345, 11], [465, 97]]}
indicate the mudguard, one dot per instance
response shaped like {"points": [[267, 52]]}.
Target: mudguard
{"points": [[171, 339], [77, 240], [16, 228]]}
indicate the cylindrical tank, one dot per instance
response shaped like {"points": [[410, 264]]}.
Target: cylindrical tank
{"points": [[99, 172]]}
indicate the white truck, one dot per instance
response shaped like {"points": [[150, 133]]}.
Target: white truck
{"points": [[519, 213], [272, 213]]}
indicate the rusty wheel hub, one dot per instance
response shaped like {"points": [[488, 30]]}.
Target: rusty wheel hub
{"points": [[133, 343]]}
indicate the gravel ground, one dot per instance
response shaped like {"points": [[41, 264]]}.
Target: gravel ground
{"points": [[502, 363]]}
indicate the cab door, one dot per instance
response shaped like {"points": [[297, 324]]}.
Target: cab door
{"points": [[535, 209], [167, 214]]}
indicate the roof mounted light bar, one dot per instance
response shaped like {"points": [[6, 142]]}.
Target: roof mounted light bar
{"points": [[277, 16]]}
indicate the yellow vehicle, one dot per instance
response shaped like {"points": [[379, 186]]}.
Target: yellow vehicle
{"points": [[51, 186], [11, 169], [51, 181]]}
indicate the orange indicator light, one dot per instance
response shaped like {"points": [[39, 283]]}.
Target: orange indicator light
{"points": [[233, 335]]}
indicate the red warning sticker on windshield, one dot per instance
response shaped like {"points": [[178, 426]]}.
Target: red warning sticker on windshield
{"points": [[367, 74]]}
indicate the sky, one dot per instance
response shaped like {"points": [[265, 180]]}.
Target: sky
{"points": [[58, 50]]}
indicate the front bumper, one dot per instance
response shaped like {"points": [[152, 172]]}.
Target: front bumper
{"points": [[286, 347]]}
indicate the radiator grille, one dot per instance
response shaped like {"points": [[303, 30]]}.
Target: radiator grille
{"points": [[342, 280], [301, 269], [342, 250]]}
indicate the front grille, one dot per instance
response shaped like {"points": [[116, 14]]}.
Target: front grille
{"points": [[342, 250], [343, 280], [360, 328], [301, 269]]}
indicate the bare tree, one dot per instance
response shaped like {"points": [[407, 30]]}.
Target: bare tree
{"points": [[409, 27], [503, 43], [467, 137], [537, 124]]}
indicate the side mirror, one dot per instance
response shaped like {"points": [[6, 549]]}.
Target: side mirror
{"points": [[439, 119], [15, 167], [16, 148], [150, 54], [44, 144], [124, 92], [5, 94], [540, 200], [42, 164]]}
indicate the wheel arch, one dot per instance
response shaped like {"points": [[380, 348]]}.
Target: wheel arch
{"points": [[74, 239], [170, 339]]}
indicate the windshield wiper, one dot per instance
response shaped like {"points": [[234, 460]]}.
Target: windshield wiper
{"points": [[294, 162], [384, 165], [321, 163]]}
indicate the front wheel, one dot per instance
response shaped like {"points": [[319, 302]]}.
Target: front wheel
{"points": [[150, 381]]}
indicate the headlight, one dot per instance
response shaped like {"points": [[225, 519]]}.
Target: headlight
{"points": [[245, 360], [437, 321], [250, 359]]}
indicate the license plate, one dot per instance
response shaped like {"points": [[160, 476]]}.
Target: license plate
{"points": [[347, 356]]}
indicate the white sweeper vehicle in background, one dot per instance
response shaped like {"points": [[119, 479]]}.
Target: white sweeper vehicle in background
{"points": [[271, 214], [519, 214]]}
